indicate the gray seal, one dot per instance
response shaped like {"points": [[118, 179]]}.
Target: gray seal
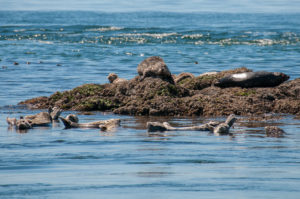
{"points": [[155, 67], [252, 79]]}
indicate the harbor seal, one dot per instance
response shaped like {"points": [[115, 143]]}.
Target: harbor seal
{"points": [[217, 128], [113, 78], [274, 131], [252, 79], [154, 67], [183, 76], [71, 121]]}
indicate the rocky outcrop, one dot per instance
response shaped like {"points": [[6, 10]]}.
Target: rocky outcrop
{"points": [[154, 93]]}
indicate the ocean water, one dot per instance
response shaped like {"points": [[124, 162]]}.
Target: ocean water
{"points": [[46, 51]]}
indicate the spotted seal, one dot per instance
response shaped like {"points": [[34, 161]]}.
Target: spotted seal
{"points": [[252, 79], [154, 67], [71, 121], [274, 131], [113, 78], [217, 128], [183, 76]]}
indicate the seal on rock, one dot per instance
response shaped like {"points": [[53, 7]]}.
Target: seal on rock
{"points": [[252, 79], [113, 78], [71, 121], [155, 67], [54, 113], [216, 127], [183, 76]]}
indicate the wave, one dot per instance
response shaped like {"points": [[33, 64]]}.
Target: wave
{"points": [[113, 35], [105, 29]]}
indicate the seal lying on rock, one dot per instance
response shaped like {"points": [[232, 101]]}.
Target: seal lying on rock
{"points": [[70, 122], [155, 67], [183, 76], [11, 121], [113, 78], [39, 119], [23, 124], [54, 113], [253, 79], [216, 127], [223, 128]]}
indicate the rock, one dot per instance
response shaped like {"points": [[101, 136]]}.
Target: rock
{"points": [[253, 79], [274, 131], [190, 97], [154, 67]]}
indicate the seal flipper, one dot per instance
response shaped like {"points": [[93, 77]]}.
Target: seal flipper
{"points": [[67, 123]]}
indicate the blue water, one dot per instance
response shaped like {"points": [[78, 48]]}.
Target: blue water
{"points": [[59, 50]]}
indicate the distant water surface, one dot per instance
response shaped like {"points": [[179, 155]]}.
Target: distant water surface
{"points": [[42, 52]]}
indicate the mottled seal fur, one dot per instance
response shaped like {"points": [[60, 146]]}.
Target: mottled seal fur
{"points": [[216, 127], [183, 76], [113, 78], [155, 67], [253, 79], [274, 131], [71, 121]]}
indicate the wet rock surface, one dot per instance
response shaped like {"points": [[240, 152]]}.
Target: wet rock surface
{"points": [[153, 94]]}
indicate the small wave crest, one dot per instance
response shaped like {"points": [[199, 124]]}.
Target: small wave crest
{"points": [[105, 29]]}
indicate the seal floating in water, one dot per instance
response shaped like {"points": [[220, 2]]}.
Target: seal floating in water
{"points": [[253, 79], [155, 67]]}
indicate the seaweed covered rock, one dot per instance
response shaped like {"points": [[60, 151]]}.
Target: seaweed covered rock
{"points": [[155, 93]]}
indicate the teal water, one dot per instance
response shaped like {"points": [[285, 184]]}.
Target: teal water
{"points": [[59, 50]]}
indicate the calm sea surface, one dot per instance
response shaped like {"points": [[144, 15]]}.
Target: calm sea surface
{"points": [[59, 50]]}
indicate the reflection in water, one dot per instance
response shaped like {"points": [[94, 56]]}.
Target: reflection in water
{"points": [[155, 172]]}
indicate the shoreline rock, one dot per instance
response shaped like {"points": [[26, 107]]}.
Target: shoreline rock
{"points": [[148, 94]]}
